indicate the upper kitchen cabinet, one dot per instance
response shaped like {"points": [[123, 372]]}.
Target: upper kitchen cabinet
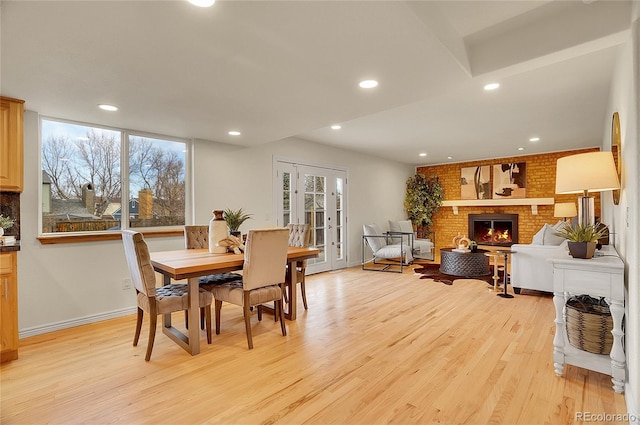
{"points": [[11, 144]]}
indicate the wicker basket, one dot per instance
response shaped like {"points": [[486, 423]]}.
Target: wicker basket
{"points": [[589, 324]]}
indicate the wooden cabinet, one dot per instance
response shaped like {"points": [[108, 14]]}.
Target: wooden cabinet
{"points": [[9, 305], [601, 276], [11, 144]]}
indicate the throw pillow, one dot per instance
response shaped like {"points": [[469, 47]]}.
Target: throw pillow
{"points": [[547, 236]]}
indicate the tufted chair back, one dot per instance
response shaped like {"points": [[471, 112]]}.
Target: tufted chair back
{"points": [[196, 237], [142, 274], [299, 234]]}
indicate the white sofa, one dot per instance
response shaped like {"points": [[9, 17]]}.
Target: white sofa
{"points": [[529, 266]]}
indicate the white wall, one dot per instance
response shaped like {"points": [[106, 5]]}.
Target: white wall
{"points": [[69, 284], [624, 219]]}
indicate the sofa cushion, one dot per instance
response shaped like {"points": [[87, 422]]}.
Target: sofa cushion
{"points": [[546, 235], [402, 226]]}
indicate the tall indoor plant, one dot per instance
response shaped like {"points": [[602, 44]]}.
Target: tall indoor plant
{"points": [[423, 198]]}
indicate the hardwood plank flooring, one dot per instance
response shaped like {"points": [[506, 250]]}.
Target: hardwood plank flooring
{"points": [[373, 348]]}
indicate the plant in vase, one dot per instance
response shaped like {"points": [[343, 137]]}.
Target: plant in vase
{"points": [[5, 223], [234, 219], [582, 238], [423, 198], [473, 246]]}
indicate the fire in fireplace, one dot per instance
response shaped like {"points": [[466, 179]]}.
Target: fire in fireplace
{"points": [[494, 229]]}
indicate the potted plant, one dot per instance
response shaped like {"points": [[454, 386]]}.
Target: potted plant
{"points": [[234, 219], [5, 223], [423, 198], [582, 238], [473, 246]]}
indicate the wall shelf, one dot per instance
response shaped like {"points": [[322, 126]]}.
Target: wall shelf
{"points": [[533, 202]]}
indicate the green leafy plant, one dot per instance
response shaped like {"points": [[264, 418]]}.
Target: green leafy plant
{"points": [[235, 218], [581, 233], [6, 222], [423, 198]]}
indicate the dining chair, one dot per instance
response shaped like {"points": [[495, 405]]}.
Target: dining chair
{"points": [[263, 276], [155, 301], [197, 237], [299, 236]]}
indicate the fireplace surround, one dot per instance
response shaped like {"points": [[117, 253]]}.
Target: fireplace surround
{"points": [[494, 229]]}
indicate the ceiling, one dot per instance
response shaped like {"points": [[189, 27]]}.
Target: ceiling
{"points": [[278, 69]]}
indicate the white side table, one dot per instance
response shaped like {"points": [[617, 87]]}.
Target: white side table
{"points": [[601, 276]]}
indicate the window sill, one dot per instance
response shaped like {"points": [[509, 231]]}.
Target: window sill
{"points": [[116, 235]]}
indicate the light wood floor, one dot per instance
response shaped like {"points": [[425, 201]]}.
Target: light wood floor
{"points": [[373, 348]]}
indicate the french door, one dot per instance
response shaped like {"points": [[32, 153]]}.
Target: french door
{"points": [[316, 196]]}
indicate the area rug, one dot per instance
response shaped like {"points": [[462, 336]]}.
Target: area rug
{"points": [[432, 271]]}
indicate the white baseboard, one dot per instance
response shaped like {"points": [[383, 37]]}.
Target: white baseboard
{"points": [[37, 330], [632, 408]]}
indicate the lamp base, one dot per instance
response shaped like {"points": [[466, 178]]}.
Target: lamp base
{"points": [[586, 208]]}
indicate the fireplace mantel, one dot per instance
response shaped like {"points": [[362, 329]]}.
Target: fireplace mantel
{"points": [[534, 202]]}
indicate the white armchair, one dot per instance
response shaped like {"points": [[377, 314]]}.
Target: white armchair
{"points": [[387, 249], [420, 248]]}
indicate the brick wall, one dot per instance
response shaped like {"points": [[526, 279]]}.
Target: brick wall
{"points": [[541, 183]]}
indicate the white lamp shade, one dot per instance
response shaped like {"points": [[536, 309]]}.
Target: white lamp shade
{"points": [[592, 171], [565, 209]]}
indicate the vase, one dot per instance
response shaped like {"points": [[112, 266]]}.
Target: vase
{"points": [[582, 249], [217, 232]]}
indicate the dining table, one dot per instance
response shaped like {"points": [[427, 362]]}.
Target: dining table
{"points": [[191, 264]]}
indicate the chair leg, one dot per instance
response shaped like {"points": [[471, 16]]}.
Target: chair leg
{"points": [[202, 314], [136, 337], [303, 289], [259, 307], [247, 319], [218, 307], [280, 308], [207, 315], [152, 335], [186, 319]]}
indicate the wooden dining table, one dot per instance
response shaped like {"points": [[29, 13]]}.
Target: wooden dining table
{"points": [[191, 264]]}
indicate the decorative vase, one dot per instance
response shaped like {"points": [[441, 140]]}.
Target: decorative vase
{"points": [[582, 249], [217, 232]]}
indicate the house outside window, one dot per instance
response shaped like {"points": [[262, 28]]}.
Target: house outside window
{"points": [[86, 177]]}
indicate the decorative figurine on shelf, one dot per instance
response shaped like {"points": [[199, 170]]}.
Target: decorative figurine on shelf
{"points": [[217, 232]]}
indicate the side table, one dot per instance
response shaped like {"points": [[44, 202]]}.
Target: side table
{"points": [[600, 276], [506, 253]]}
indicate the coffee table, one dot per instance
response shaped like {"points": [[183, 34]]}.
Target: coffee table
{"points": [[466, 264]]}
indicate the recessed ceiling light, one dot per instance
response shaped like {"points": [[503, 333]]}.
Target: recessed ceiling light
{"points": [[336, 127], [491, 86], [109, 108], [520, 149], [534, 139], [234, 133], [449, 157], [368, 84], [202, 3], [423, 154]]}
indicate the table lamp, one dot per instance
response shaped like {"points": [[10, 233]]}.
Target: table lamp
{"points": [[565, 210], [584, 173]]}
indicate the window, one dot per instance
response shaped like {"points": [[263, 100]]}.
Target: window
{"points": [[85, 179]]}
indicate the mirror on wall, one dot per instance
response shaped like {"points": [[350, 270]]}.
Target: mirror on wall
{"points": [[616, 150]]}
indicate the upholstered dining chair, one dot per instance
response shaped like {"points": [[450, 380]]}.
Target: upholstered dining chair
{"points": [[197, 237], [155, 301], [299, 235], [263, 276]]}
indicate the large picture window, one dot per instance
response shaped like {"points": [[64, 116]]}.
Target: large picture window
{"points": [[88, 185]]}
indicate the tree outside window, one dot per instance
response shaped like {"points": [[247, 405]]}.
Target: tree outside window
{"points": [[83, 187]]}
